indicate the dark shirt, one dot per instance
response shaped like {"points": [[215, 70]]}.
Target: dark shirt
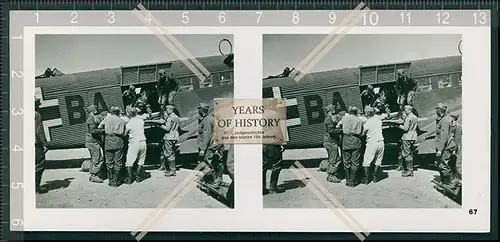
{"points": [[166, 85], [91, 135], [444, 134], [129, 98], [368, 98], [405, 84], [332, 133]]}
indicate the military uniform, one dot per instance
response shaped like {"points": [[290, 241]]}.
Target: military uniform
{"points": [[212, 153], [352, 128], [169, 140], [230, 169], [406, 87], [97, 169], [445, 147], [114, 127], [40, 148], [167, 88], [457, 136], [331, 142], [273, 160]]}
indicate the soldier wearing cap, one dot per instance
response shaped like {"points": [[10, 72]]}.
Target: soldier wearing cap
{"points": [[92, 142], [352, 128], [406, 87], [457, 136], [114, 128], [211, 152], [408, 139], [445, 146], [166, 87], [332, 142], [40, 148]]}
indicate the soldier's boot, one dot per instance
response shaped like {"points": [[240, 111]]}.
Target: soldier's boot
{"points": [[264, 183], [333, 178], [171, 168], [409, 167], [455, 182], [376, 174], [114, 181], [273, 183], [354, 182], [218, 172], [38, 180], [366, 175], [400, 164], [129, 179], [109, 174], [95, 178], [139, 177], [347, 174]]}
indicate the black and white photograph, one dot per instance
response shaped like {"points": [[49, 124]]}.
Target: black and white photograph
{"points": [[375, 120], [122, 120]]}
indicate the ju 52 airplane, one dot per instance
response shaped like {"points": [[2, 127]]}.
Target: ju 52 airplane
{"points": [[65, 96], [439, 80]]}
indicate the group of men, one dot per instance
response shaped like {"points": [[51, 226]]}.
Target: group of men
{"points": [[349, 136]]}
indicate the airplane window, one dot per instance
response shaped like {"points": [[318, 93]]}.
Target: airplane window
{"points": [[186, 84], [424, 84], [207, 83], [225, 78], [444, 81]]}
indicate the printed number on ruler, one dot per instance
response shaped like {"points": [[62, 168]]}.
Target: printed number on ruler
{"points": [[259, 15], [17, 148], [443, 18], [372, 18], [17, 222], [222, 17], [479, 17], [37, 14], [295, 18], [111, 17], [17, 185], [74, 17], [405, 17], [185, 18], [332, 17], [148, 17]]}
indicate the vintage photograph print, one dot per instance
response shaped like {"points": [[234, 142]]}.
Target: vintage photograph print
{"points": [[376, 121], [122, 120]]}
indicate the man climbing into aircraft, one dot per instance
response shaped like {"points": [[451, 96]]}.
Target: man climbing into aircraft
{"points": [[406, 87], [368, 96], [129, 96], [331, 142], [209, 151], [166, 87], [40, 148], [445, 146]]}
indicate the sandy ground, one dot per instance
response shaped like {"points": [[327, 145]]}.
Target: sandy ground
{"points": [[70, 188], [394, 191]]}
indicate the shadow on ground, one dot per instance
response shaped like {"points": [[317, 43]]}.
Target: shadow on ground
{"points": [[57, 184]]}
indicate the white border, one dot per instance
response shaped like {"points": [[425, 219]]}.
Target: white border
{"points": [[249, 215]]}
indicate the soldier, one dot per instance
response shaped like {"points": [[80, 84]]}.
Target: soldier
{"points": [[137, 146], [129, 96], [445, 146], [352, 128], [230, 169], [406, 87], [92, 142], [368, 96], [375, 146], [331, 142], [407, 141], [211, 152], [169, 123], [272, 159], [40, 148], [114, 128], [166, 87], [457, 136]]}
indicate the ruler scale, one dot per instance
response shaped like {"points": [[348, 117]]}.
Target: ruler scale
{"points": [[178, 14]]}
